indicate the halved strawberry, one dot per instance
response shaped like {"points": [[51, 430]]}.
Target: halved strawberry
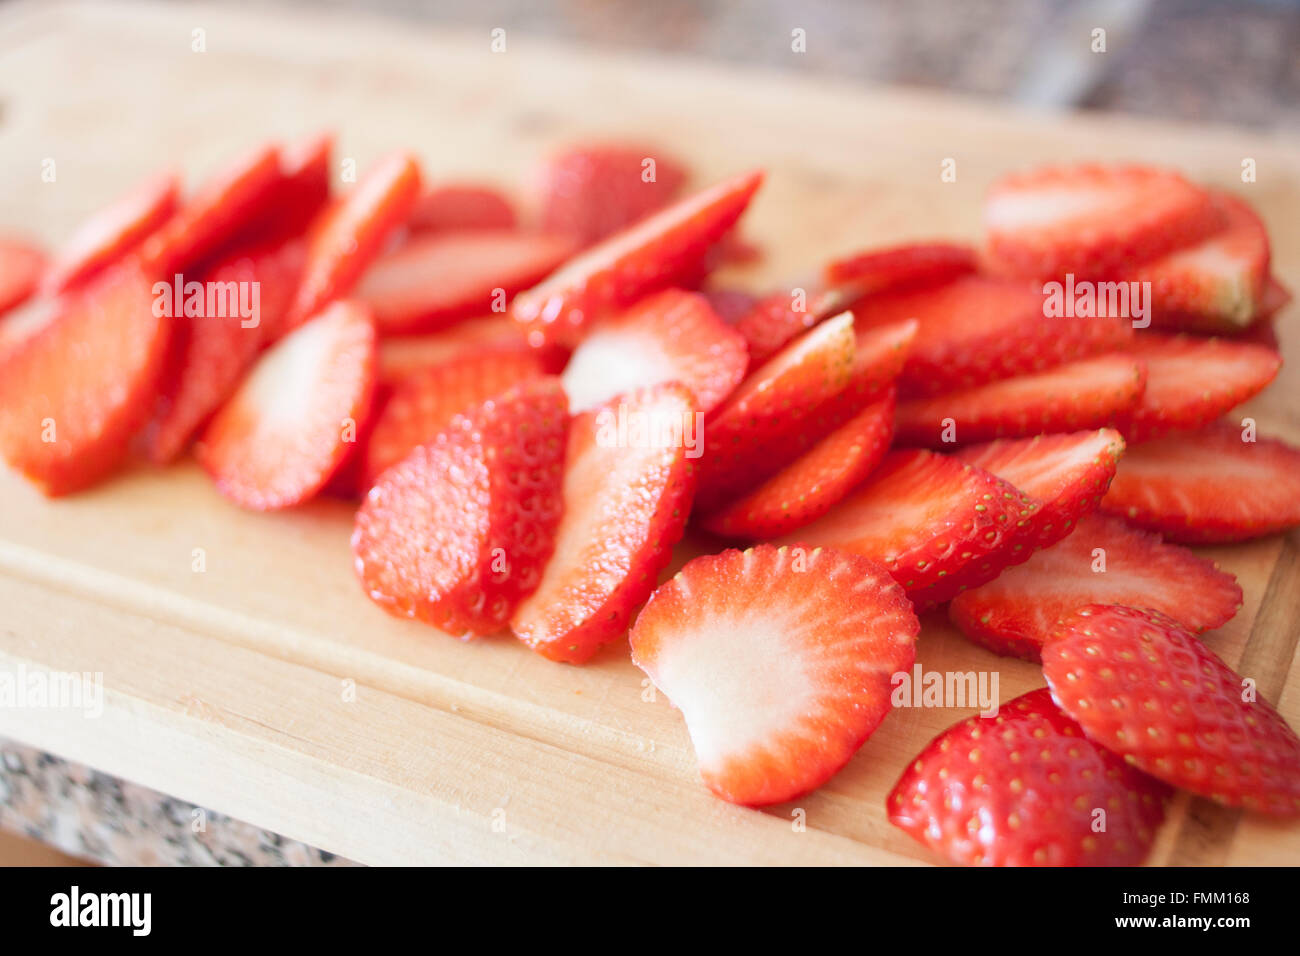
{"points": [[73, 394], [1192, 381], [458, 532], [780, 662], [1142, 686], [1102, 561], [592, 191], [1208, 486], [1027, 788], [648, 255], [281, 436], [1091, 220], [435, 279], [627, 491], [811, 485], [351, 233], [1066, 474], [671, 336], [21, 266], [896, 267], [403, 355], [423, 405], [938, 525], [457, 206], [111, 233], [1085, 394]]}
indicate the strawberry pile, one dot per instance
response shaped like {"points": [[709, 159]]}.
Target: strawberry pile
{"points": [[533, 404]]}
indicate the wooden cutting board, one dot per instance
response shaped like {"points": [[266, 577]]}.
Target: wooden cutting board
{"points": [[267, 686]]}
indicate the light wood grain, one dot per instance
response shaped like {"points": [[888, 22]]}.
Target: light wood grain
{"points": [[227, 687]]}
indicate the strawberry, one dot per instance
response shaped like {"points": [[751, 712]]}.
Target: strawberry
{"points": [[977, 329], [774, 320], [403, 355], [731, 304], [879, 353], [302, 191], [648, 255], [1275, 298], [424, 404], [1208, 486], [666, 337], [351, 233], [625, 504], [456, 207], [937, 525], [1142, 686], [214, 214], [1024, 789], [897, 267], [435, 279], [1067, 475], [811, 485], [1101, 561], [458, 532], [26, 320], [780, 662], [590, 192], [112, 233], [73, 393], [1217, 284], [1091, 220], [21, 266], [1084, 394], [1192, 381], [286, 430]]}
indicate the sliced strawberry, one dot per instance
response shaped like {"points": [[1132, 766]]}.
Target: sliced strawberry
{"points": [[1014, 614], [646, 256], [111, 233], [72, 394], [1192, 381], [938, 525], [281, 436], [302, 192], [773, 321], [1085, 394], [458, 532], [1208, 486], [424, 404], [757, 430], [780, 662], [458, 206], [217, 212], [671, 336], [811, 485], [25, 320], [1066, 474], [21, 266], [879, 353], [625, 505], [1024, 789], [433, 280], [590, 192], [1091, 220], [896, 267], [350, 234], [403, 355], [1142, 686], [730, 303]]}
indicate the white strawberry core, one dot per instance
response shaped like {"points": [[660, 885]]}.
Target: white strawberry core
{"points": [[283, 384], [1043, 207], [608, 363]]}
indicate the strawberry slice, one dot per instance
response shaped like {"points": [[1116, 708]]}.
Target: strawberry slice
{"points": [[351, 233], [1263, 330], [72, 394], [287, 429], [455, 207], [1143, 687], [1192, 381], [302, 192], [401, 356], [1208, 486], [811, 485], [424, 404], [671, 336], [26, 320], [435, 279], [21, 266], [773, 321], [1084, 394], [216, 213], [897, 267], [1023, 789], [1091, 220], [590, 192], [457, 533], [648, 255], [1015, 614], [777, 712], [111, 233], [1066, 474], [938, 525], [625, 504]]}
